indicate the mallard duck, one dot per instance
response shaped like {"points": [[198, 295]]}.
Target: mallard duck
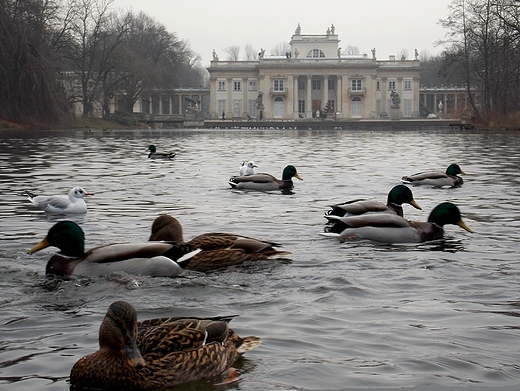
{"points": [[437, 179], [218, 249], [60, 204], [390, 228], [148, 258], [247, 168], [266, 182], [157, 353], [159, 155], [399, 195]]}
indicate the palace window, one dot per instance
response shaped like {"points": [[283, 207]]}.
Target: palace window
{"points": [[356, 84], [391, 85], [252, 85], [301, 84], [408, 85], [237, 86], [252, 107], [407, 107], [278, 85], [331, 84], [378, 85], [237, 107], [315, 53], [221, 86], [221, 106], [301, 106], [316, 84]]}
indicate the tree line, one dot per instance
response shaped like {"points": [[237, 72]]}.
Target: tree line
{"points": [[483, 52], [57, 53]]}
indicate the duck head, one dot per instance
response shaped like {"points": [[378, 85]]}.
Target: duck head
{"points": [[67, 236], [289, 172], [401, 194], [447, 213]]}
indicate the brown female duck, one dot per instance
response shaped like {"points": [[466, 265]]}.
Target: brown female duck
{"points": [[157, 353], [218, 249]]}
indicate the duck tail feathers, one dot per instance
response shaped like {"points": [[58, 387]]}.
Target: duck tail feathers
{"points": [[28, 194], [248, 343]]}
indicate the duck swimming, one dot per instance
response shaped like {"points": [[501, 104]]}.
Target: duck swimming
{"points": [[159, 155], [148, 258], [399, 195], [390, 228], [265, 182], [74, 203], [248, 168], [218, 249], [449, 178], [158, 353]]}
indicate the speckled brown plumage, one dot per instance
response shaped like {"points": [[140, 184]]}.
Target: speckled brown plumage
{"points": [[157, 353], [219, 250]]}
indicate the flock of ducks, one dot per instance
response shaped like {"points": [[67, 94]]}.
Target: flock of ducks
{"points": [[165, 352]]}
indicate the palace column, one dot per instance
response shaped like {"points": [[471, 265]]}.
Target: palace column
{"points": [[295, 96], [416, 111], [244, 98], [339, 97], [229, 99], [308, 100], [325, 91], [384, 103]]}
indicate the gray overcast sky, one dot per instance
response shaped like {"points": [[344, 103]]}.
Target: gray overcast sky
{"points": [[387, 25]]}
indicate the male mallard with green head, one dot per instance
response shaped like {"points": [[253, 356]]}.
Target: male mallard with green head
{"points": [[449, 178], [148, 258], [266, 182], [390, 228], [398, 196], [159, 155]]}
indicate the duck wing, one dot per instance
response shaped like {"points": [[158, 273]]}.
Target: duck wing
{"points": [[224, 249], [357, 207]]}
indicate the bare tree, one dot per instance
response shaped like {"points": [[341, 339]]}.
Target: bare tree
{"points": [[251, 54], [28, 90], [232, 52], [281, 49], [350, 50]]}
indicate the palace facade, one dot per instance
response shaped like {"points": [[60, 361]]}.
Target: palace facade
{"points": [[314, 79]]}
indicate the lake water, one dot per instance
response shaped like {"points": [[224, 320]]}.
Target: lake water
{"points": [[338, 316]]}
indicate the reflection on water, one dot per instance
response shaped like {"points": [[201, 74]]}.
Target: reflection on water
{"points": [[340, 315]]}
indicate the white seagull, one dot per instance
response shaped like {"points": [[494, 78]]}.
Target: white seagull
{"points": [[61, 204], [248, 168]]}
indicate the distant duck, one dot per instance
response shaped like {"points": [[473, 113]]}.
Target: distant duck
{"points": [[159, 155], [265, 182], [247, 168], [158, 353], [390, 228], [148, 258], [397, 196], [60, 204], [218, 249], [437, 179]]}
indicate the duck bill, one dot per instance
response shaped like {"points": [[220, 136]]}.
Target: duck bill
{"points": [[298, 176], [463, 225], [463, 173], [133, 355], [40, 246], [415, 205]]}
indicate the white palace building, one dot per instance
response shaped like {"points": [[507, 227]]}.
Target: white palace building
{"points": [[314, 78]]}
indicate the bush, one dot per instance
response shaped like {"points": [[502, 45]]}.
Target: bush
{"points": [[125, 119]]}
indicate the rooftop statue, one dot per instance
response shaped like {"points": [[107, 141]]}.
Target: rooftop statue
{"points": [[298, 29]]}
